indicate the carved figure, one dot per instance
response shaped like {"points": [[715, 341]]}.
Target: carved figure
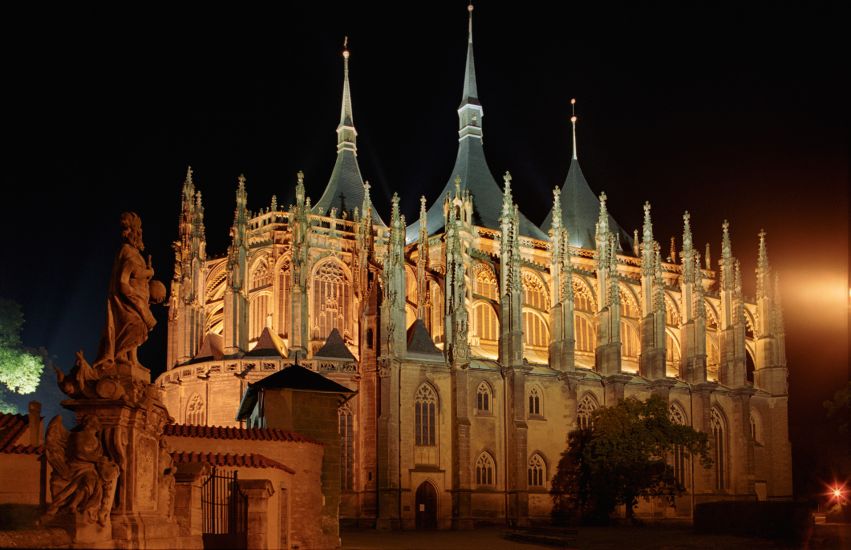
{"points": [[83, 479], [80, 382], [166, 480], [128, 317]]}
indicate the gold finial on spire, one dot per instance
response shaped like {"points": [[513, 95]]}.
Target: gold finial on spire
{"points": [[346, 47], [573, 120], [470, 23]]}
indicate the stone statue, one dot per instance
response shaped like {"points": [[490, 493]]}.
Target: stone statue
{"points": [[83, 479], [131, 290]]}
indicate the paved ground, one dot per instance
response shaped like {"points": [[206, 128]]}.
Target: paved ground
{"points": [[615, 538]]}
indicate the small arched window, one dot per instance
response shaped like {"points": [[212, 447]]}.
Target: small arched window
{"points": [[756, 428], [587, 405], [719, 444], [679, 456], [485, 469], [484, 399], [537, 471], [425, 412], [535, 402], [195, 411]]}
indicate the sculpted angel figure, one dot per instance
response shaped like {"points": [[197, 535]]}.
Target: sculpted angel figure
{"points": [[83, 479], [131, 290]]}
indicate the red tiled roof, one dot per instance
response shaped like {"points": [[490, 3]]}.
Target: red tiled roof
{"points": [[221, 432], [230, 460], [23, 449], [11, 426]]}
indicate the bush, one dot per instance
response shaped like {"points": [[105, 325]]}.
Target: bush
{"points": [[789, 521]]}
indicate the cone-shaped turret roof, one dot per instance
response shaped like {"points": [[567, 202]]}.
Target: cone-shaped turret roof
{"points": [[470, 164], [580, 208], [345, 189]]}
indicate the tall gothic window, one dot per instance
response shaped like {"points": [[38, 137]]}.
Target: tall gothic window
{"points": [[587, 405], [259, 313], [347, 448], [535, 331], [485, 470], [679, 456], [583, 324], [537, 471], [719, 440], [535, 402], [195, 411], [485, 322], [261, 276], [284, 294], [425, 414], [484, 398], [630, 341], [330, 300]]}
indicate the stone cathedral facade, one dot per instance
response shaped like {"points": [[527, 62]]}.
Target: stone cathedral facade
{"points": [[476, 339]]}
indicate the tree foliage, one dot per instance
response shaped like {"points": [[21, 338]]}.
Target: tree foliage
{"points": [[839, 408], [624, 455], [20, 370]]}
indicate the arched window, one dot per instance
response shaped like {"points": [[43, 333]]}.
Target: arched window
{"points": [[425, 412], [484, 398], [347, 447], [195, 411], [535, 402], [535, 331], [679, 457], [583, 324], [284, 296], [537, 472], [485, 470], [756, 427], [719, 444], [485, 323], [330, 300], [584, 409], [261, 276], [259, 313]]}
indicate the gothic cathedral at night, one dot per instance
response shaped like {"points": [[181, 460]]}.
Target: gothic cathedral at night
{"points": [[476, 339]]}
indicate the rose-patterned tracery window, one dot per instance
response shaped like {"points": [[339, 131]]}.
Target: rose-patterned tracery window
{"points": [[331, 302]]}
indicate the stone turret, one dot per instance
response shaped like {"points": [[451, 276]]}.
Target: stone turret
{"points": [[510, 288], [457, 210], [562, 339], [423, 295], [188, 296], [393, 305], [236, 291], [693, 318], [651, 361], [770, 374], [300, 269], [731, 325], [608, 352]]}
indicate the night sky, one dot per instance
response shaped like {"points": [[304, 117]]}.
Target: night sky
{"points": [[728, 112]]}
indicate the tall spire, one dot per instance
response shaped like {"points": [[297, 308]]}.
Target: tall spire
{"points": [[470, 94], [573, 120], [345, 189], [346, 133]]}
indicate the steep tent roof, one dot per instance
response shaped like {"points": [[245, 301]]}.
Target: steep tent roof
{"points": [[420, 341], [580, 210], [294, 377], [471, 166], [335, 348], [268, 345], [213, 347], [345, 189]]}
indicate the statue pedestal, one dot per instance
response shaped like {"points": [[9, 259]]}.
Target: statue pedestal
{"points": [[142, 512], [84, 533]]}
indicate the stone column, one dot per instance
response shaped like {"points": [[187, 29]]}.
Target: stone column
{"points": [[258, 492], [187, 497]]}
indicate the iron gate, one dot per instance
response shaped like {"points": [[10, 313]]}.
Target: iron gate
{"points": [[225, 512]]}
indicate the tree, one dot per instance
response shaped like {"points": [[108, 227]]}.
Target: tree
{"points": [[20, 370], [624, 455]]}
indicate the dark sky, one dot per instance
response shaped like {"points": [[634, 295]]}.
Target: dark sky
{"points": [[725, 110]]}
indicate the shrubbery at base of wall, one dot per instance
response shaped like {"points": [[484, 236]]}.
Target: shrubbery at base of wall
{"points": [[790, 521]]}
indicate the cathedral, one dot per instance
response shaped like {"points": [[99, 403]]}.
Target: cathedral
{"points": [[476, 339]]}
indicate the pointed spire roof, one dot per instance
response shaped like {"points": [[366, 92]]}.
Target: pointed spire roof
{"points": [[580, 206], [335, 348], [420, 341], [345, 189], [471, 165], [268, 345]]}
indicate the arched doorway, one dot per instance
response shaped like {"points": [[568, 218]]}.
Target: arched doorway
{"points": [[426, 506]]}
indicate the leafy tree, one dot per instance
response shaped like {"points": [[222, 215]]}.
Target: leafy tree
{"points": [[839, 408], [20, 370], [624, 455]]}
